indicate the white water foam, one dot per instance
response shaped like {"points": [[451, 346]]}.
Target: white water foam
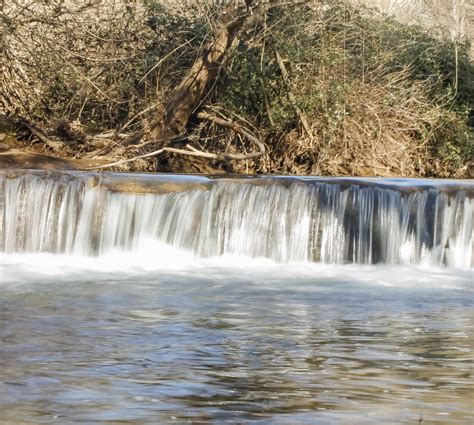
{"points": [[293, 221], [156, 261]]}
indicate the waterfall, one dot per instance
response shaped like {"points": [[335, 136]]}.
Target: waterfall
{"points": [[283, 219]]}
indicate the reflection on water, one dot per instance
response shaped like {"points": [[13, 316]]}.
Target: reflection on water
{"points": [[213, 345]]}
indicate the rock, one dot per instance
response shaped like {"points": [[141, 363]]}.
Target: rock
{"points": [[3, 146], [3, 136]]}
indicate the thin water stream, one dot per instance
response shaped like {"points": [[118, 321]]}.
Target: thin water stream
{"points": [[227, 302]]}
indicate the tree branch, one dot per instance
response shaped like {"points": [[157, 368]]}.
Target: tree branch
{"points": [[291, 96], [55, 146], [191, 151]]}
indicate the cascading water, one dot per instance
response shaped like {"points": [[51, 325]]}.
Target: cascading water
{"points": [[176, 299], [283, 219]]}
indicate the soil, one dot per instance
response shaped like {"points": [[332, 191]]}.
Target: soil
{"points": [[18, 159]]}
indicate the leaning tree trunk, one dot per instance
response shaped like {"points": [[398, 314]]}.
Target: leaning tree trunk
{"points": [[189, 96], [192, 91]]}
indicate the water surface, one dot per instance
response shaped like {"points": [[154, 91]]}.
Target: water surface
{"points": [[232, 340]]}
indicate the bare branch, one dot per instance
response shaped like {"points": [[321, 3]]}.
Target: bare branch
{"points": [[55, 146], [291, 96], [191, 151]]}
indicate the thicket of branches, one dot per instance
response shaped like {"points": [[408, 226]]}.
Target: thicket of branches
{"points": [[326, 87]]}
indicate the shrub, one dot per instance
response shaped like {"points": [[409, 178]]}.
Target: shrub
{"points": [[379, 97]]}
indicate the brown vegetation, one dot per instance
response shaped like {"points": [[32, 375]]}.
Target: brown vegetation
{"points": [[299, 87]]}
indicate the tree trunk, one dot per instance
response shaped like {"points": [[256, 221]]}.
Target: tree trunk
{"points": [[193, 89]]}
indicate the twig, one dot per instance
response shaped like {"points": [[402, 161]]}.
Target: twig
{"points": [[238, 129], [153, 106], [55, 146], [291, 96], [164, 58], [379, 137], [191, 151]]}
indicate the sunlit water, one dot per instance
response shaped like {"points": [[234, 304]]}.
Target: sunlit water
{"points": [[150, 299], [116, 339]]}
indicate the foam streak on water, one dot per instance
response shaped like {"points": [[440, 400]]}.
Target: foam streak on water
{"points": [[282, 220]]}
